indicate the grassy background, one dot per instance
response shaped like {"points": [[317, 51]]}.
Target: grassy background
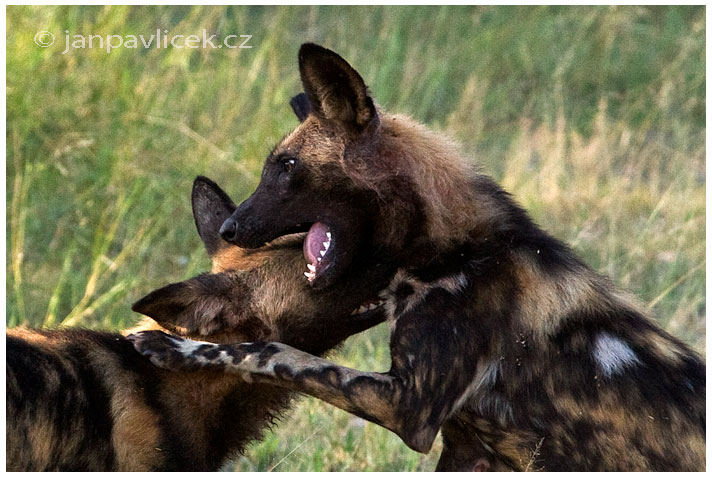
{"points": [[593, 117]]}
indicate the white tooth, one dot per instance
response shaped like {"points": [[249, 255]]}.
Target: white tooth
{"points": [[309, 275], [328, 234], [322, 253], [355, 312], [372, 306], [311, 268], [318, 259], [326, 244], [362, 309]]}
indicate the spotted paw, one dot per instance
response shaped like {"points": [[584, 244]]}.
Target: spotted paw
{"points": [[167, 351]]}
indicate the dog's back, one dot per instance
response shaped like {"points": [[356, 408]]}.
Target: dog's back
{"points": [[67, 408], [81, 400]]}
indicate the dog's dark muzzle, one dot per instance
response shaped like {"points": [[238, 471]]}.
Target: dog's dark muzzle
{"points": [[241, 228], [228, 230], [240, 233], [244, 231]]}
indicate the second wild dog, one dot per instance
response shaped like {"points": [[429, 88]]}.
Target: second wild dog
{"points": [[80, 400]]}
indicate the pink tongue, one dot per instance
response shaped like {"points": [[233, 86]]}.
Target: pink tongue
{"points": [[316, 237]]}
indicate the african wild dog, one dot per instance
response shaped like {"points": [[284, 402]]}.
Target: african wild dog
{"points": [[86, 400], [500, 335]]}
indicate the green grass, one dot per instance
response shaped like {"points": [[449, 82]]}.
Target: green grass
{"points": [[593, 117]]}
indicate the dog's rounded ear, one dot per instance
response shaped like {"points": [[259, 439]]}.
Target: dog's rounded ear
{"points": [[211, 206], [301, 106], [202, 305], [335, 90]]}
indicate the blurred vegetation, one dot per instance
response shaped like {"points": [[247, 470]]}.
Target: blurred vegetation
{"points": [[593, 117]]}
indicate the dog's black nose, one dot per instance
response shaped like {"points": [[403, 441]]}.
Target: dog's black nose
{"points": [[228, 230]]}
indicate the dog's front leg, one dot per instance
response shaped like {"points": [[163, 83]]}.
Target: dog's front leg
{"points": [[384, 399]]}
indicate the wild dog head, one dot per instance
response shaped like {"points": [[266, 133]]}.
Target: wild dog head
{"points": [[353, 177], [260, 294]]}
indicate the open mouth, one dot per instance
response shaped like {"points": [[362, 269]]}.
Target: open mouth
{"points": [[329, 249], [318, 250]]}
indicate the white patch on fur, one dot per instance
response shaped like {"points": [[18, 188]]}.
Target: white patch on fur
{"points": [[613, 354]]}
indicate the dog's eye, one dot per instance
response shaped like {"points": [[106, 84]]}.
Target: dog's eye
{"points": [[289, 164]]}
